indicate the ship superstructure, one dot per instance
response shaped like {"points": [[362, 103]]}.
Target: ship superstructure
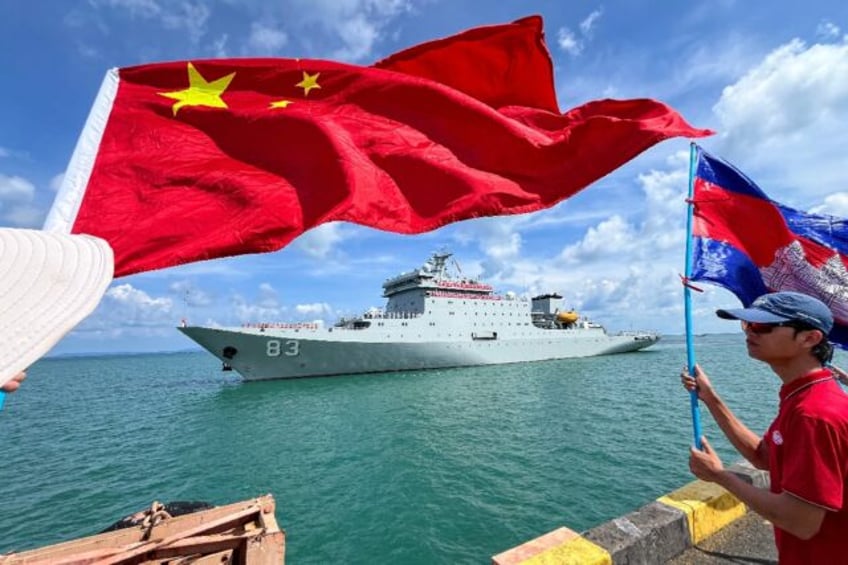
{"points": [[433, 318]]}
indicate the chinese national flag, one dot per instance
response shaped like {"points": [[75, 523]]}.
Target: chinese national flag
{"points": [[186, 161]]}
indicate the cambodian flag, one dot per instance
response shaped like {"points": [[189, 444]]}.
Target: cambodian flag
{"points": [[751, 245]]}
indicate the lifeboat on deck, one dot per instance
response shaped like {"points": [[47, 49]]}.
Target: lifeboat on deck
{"points": [[567, 317]]}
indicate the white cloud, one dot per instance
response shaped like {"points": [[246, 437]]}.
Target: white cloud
{"points": [[621, 264], [140, 8], [15, 189], [320, 241], [191, 17], [827, 30], [219, 46], [24, 216], [252, 313], [835, 205], [587, 25], [56, 182], [573, 44], [87, 51], [268, 297], [611, 237], [16, 207], [568, 42], [359, 35], [358, 24], [498, 238], [714, 62], [265, 39], [265, 307], [125, 294], [786, 117], [190, 294], [318, 309], [665, 206], [661, 228], [504, 248], [127, 307]]}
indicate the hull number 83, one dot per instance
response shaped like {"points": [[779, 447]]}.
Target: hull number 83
{"points": [[275, 348]]}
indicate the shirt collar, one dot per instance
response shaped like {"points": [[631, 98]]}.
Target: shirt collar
{"points": [[813, 377]]}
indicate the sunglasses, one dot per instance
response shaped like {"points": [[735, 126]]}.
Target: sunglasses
{"points": [[761, 328]]}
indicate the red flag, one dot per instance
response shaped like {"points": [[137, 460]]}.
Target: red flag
{"points": [[500, 65], [185, 161]]}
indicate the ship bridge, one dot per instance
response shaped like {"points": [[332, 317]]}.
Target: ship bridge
{"points": [[433, 277]]}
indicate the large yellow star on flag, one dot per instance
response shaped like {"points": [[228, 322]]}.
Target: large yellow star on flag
{"points": [[200, 92], [309, 82], [281, 104]]}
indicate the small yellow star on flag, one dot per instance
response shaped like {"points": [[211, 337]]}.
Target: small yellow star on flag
{"points": [[200, 92], [309, 82], [281, 103]]}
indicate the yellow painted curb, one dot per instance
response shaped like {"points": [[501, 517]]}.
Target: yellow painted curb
{"points": [[708, 507], [578, 551], [559, 547]]}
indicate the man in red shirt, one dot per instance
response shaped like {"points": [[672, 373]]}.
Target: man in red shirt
{"points": [[806, 447]]}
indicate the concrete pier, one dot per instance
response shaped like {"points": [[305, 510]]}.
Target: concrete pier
{"points": [[698, 523]]}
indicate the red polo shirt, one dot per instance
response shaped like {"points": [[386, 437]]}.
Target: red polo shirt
{"points": [[808, 458]]}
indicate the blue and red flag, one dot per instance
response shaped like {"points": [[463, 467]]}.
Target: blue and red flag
{"points": [[751, 245]]}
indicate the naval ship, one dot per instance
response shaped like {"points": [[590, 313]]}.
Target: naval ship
{"points": [[433, 318]]}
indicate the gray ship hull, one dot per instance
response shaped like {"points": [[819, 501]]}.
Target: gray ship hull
{"points": [[260, 354]]}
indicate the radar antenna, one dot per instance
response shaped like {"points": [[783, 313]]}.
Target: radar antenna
{"points": [[456, 264]]}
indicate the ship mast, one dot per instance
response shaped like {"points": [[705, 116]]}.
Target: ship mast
{"points": [[440, 264]]}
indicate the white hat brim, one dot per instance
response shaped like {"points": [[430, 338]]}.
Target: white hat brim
{"points": [[49, 282]]}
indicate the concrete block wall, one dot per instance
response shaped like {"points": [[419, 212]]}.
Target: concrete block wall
{"points": [[652, 534]]}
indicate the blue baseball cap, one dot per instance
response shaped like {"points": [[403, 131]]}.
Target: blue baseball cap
{"points": [[785, 306]]}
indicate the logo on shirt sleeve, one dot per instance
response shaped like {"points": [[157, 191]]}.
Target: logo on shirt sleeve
{"points": [[777, 438]]}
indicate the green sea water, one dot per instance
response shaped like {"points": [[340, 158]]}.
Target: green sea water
{"points": [[447, 466]]}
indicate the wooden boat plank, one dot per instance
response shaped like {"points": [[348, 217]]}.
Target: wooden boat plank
{"points": [[232, 533]]}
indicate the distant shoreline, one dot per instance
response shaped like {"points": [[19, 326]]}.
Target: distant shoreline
{"points": [[121, 353]]}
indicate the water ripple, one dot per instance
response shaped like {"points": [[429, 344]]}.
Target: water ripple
{"points": [[447, 466]]}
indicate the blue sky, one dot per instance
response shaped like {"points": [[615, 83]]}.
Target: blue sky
{"points": [[770, 77]]}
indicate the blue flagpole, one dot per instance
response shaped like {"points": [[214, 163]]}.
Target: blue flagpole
{"points": [[687, 299]]}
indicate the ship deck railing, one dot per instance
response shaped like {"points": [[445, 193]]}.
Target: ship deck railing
{"points": [[282, 325], [392, 315], [636, 333]]}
